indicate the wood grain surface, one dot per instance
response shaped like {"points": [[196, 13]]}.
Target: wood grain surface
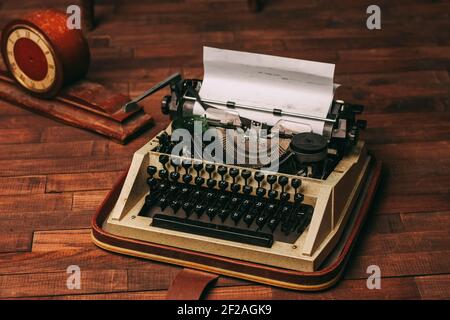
{"points": [[52, 177]]}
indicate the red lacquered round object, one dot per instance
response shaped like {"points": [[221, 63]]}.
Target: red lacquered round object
{"points": [[43, 54]]}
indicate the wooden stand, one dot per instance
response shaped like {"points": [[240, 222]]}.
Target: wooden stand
{"points": [[86, 105]]}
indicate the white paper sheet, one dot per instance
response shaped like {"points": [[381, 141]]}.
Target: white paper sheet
{"points": [[268, 82]]}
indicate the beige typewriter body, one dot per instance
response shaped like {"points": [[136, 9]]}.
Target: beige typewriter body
{"points": [[332, 200]]}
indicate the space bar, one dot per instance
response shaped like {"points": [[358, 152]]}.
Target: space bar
{"points": [[213, 230]]}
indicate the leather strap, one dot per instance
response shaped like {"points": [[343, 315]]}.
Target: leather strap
{"points": [[190, 284]]}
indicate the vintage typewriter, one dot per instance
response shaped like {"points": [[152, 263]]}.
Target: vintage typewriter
{"points": [[213, 204]]}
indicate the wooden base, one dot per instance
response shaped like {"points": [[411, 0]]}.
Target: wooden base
{"points": [[85, 105], [326, 276]]}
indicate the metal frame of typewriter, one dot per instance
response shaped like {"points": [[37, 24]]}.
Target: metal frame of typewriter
{"points": [[333, 200]]}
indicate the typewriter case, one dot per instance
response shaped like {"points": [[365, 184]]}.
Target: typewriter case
{"points": [[315, 261], [292, 225]]}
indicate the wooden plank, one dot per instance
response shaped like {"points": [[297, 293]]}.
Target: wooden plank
{"points": [[81, 181], [424, 221], [434, 287], [405, 242], [16, 136], [401, 264], [44, 284], [62, 165], [408, 222], [16, 228], [66, 134], [44, 241], [88, 200], [35, 203], [22, 185], [53, 150], [392, 265], [399, 203], [15, 241], [45, 220], [392, 288], [23, 121]]}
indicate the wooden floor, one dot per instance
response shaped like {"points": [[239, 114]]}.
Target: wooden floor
{"points": [[53, 177]]}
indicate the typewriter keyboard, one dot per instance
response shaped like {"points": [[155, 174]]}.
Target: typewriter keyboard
{"points": [[185, 199]]}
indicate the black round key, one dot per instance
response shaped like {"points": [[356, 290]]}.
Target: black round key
{"points": [[234, 173], [259, 176], [235, 187], [198, 166], [223, 185], [187, 207], [234, 202], [174, 176], [273, 223], [162, 203], [199, 181], [197, 194], [163, 174], [247, 189], [284, 211], [175, 205], [211, 183], [296, 183], [272, 194], [199, 209], [210, 168], [163, 159], [299, 197], [235, 216], [223, 214], [248, 219], [246, 203], [284, 196], [184, 190], [222, 198], [260, 192], [246, 174], [271, 179], [209, 196], [163, 185], [222, 170], [151, 170], [283, 181], [186, 164], [259, 205], [152, 182], [187, 178], [211, 212]]}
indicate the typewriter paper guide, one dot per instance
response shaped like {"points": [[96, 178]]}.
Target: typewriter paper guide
{"points": [[268, 82]]}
